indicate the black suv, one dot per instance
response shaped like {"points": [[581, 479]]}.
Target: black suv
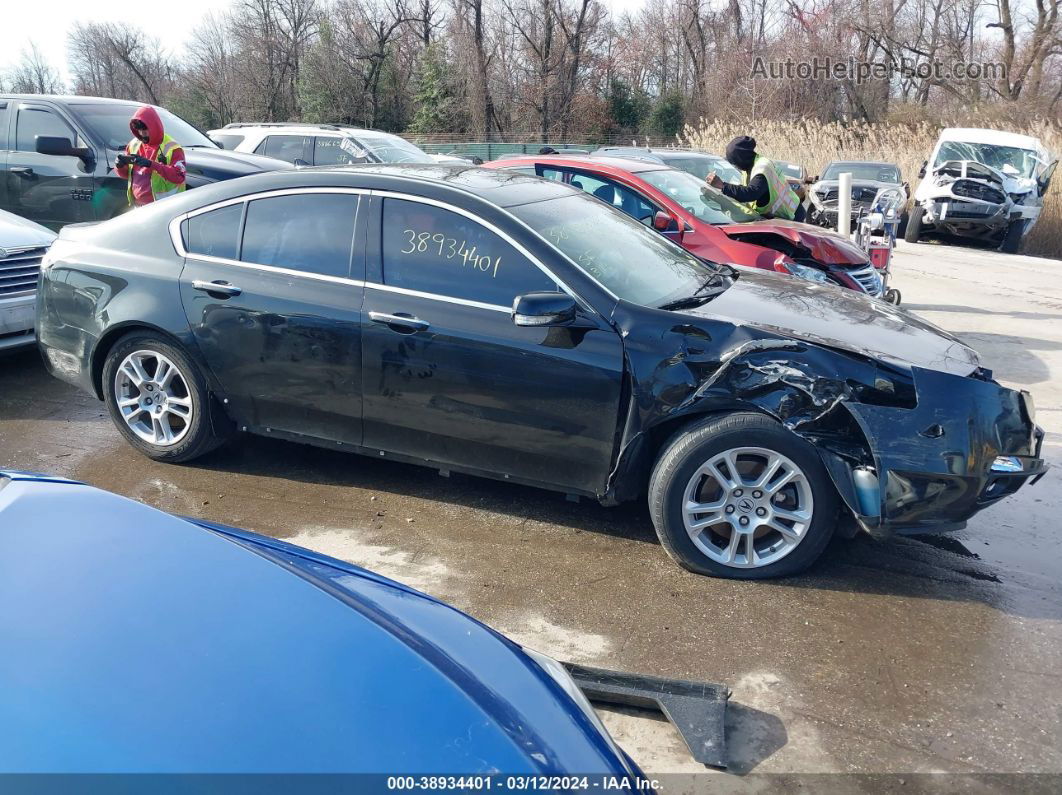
{"points": [[57, 156]]}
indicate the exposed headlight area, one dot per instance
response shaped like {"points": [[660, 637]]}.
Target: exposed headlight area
{"points": [[807, 272]]}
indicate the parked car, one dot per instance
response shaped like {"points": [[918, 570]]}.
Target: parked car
{"points": [[22, 245], [140, 642], [488, 322], [59, 165], [794, 173], [700, 164], [867, 179], [707, 223], [305, 144], [982, 185]]}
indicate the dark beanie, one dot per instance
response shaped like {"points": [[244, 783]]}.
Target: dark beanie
{"points": [[741, 152]]}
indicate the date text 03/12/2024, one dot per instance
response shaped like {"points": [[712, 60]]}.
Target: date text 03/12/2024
{"points": [[522, 783]]}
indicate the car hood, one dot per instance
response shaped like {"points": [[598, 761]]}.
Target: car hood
{"points": [[837, 318], [18, 232], [822, 245], [227, 164], [138, 641]]}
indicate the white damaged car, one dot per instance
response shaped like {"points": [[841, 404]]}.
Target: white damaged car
{"points": [[982, 184], [22, 244]]}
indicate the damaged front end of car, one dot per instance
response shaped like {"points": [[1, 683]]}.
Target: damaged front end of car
{"points": [[967, 199], [910, 449]]}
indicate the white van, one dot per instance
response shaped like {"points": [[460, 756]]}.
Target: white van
{"points": [[982, 184]]}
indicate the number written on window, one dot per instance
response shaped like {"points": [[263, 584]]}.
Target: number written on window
{"points": [[452, 249]]}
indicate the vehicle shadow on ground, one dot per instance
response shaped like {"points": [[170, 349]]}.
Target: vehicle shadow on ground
{"points": [[27, 392], [927, 567]]}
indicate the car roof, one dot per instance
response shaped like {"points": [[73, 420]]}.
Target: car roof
{"points": [[602, 163], [142, 640], [74, 99], [979, 135]]}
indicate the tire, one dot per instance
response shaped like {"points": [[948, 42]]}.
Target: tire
{"points": [[914, 224], [901, 228], [750, 439], [1012, 240], [892, 297], [196, 426]]}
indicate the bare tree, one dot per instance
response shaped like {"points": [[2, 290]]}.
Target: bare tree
{"points": [[33, 74]]}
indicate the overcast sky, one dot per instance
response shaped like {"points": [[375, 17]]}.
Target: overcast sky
{"points": [[48, 22]]}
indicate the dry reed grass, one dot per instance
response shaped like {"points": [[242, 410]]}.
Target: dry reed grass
{"points": [[815, 144]]}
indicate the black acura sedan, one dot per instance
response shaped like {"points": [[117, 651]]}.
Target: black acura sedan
{"points": [[498, 324]]}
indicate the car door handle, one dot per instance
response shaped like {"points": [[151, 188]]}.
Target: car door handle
{"points": [[22, 171], [403, 321], [219, 288]]}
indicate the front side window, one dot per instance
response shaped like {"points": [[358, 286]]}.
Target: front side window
{"points": [[215, 233], [32, 122], [309, 232], [433, 250], [630, 260], [111, 124], [284, 147], [332, 150], [620, 197]]}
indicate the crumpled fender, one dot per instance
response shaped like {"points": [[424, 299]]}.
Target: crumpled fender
{"points": [[718, 367], [828, 248]]}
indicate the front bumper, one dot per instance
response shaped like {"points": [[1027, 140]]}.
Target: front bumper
{"points": [[959, 215], [16, 322], [967, 444]]}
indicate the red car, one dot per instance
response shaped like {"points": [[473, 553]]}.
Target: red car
{"points": [[707, 223]]}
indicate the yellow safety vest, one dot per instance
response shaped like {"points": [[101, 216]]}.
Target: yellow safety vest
{"points": [[783, 200], [160, 186]]}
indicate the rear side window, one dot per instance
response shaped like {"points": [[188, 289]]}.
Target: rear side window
{"points": [[32, 122], [433, 250], [227, 141], [285, 147], [310, 232], [214, 234]]}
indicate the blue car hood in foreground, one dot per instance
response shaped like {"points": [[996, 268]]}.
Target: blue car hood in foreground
{"points": [[136, 641]]}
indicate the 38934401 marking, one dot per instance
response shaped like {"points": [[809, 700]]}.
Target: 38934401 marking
{"points": [[450, 248]]}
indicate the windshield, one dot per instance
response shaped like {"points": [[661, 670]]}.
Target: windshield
{"points": [[701, 167], [699, 198], [629, 259], [392, 149], [1010, 160], [878, 172], [111, 123], [788, 169]]}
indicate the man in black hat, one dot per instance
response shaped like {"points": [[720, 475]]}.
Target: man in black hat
{"points": [[763, 189]]}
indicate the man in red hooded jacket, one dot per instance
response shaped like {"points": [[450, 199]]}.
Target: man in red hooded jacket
{"points": [[153, 163]]}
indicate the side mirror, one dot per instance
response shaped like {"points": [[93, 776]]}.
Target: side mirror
{"points": [[922, 170], [663, 222], [544, 309], [907, 189], [57, 145], [300, 163]]}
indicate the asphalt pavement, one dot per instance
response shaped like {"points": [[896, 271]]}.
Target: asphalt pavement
{"points": [[918, 655]]}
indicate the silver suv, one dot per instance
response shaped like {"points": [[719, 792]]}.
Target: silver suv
{"points": [[304, 144], [22, 244]]}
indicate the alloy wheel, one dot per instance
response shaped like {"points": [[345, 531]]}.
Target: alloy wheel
{"points": [[747, 507], [153, 398]]}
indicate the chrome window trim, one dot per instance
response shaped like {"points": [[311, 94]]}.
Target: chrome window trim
{"points": [[178, 242], [487, 225], [449, 299]]}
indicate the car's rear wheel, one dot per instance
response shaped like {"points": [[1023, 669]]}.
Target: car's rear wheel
{"points": [[159, 400], [740, 496], [914, 224]]}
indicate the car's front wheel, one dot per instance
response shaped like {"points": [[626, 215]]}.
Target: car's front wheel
{"points": [[740, 496], [159, 400]]}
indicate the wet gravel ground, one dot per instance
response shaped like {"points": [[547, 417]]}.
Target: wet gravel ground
{"points": [[928, 654]]}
